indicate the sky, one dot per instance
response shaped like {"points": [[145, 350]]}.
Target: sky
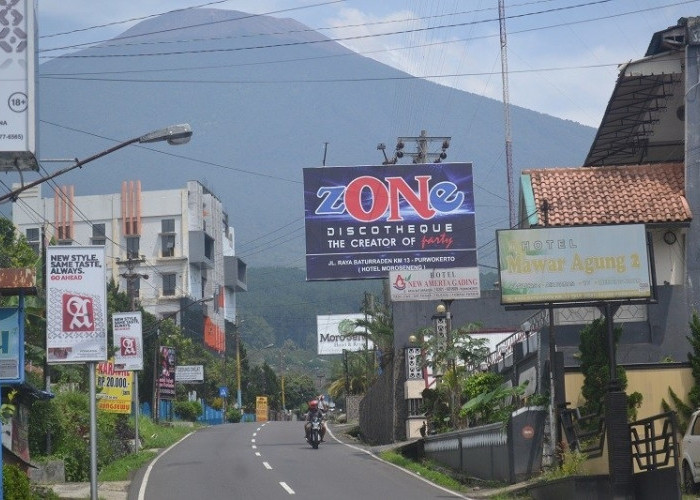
{"points": [[562, 56]]}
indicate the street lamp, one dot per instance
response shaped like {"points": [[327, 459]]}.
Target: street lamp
{"points": [[174, 135]]}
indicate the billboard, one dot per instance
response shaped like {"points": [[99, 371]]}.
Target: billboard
{"points": [[573, 264], [338, 333], [128, 341], [76, 304], [166, 373], [18, 89], [363, 222], [189, 373], [435, 284], [114, 388]]}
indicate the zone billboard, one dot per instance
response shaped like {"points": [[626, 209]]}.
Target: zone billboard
{"points": [[363, 222], [573, 264]]}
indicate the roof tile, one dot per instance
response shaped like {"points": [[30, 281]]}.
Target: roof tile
{"points": [[629, 194]]}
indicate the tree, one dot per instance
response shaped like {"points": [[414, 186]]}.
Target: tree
{"points": [[455, 357], [349, 376], [595, 367], [378, 328]]}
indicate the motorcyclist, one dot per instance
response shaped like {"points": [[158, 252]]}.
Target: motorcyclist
{"points": [[314, 411]]}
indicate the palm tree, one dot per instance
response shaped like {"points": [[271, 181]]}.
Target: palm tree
{"points": [[378, 327]]}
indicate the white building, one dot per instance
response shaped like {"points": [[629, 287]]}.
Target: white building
{"points": [[172, 250]]}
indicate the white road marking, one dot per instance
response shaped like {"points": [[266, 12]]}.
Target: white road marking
{"points": [[144, 482], [252, 440], [267, 466], [257, 453], [254, 447], [287, 488], [255, 434]]}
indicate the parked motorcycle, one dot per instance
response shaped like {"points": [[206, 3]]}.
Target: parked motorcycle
{"points": [[315, 433]]}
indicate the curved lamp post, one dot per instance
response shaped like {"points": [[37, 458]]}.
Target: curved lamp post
{"points": [[174, 135]]}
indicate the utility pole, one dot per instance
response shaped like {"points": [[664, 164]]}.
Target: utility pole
{"points": [[132, 278], [422, 154], [506, 112]]}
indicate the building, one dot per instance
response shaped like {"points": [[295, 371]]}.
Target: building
{"points": [[172, 251], [643, 167]]}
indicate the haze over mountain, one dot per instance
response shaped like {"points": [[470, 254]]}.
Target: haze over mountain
{"points": [[264, 96]]}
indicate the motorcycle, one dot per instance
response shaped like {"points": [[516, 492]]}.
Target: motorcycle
{"points": [[315, 433]]}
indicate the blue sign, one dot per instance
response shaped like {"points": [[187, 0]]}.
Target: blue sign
{"points": [[223, 392], [363, 222]]}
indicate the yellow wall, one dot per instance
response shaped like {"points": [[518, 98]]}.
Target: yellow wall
{"points": [[652, 383]]}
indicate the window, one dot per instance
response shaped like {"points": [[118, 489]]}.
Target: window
{"points": [[64, 235], [98, 234], [132, 247], [169, 284], [33, 239], [414, 407], [167, 237]]}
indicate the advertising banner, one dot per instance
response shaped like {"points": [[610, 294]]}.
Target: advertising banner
{"points": [[128, 341], [435, 284], [573, 264], [166, 373], [11, 346], [363, 222], [18, 95], [261, 408], [189, 373], [76, 304], [338, 333], [113, 388]]}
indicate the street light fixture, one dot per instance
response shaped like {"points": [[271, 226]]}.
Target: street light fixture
{"points": [[174, 135]]}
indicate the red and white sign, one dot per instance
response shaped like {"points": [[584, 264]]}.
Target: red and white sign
{"points": [[76, 304], [435, 284], [128, 342]]}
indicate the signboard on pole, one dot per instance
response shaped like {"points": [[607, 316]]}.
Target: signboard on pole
{"points": [[435, 284], [189, 373], [261, 408], [114, 388], [11, 346], [363, 222], [573, 264], [128, 341], [76, 304], [18, 89], [166, 373], [338, 333]]}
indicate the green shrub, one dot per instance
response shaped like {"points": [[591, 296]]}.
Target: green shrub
{"points": [[15, 483], [233, 415], [188, 410]]}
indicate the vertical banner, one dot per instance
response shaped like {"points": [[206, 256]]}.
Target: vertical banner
{"points": [[114, 388], [18, 95], [76, 304], [11, 346], [166, 374], [261, 408], [128, 340]]}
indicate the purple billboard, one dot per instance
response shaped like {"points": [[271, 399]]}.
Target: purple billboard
{"points": [[362, 222]]}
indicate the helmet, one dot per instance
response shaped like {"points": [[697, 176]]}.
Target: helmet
{"points": [[313, 404], [320, 397]]}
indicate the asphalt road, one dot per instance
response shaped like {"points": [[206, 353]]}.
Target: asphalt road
{"points": [[271, 461]]}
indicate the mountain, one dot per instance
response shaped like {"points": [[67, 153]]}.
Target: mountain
{"points": [[267, 97]]}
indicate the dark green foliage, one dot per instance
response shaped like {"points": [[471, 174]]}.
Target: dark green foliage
{"points": [[436, 410], [188, 410], [233, 415], [287, 304], [15, 483], [694, 359], [596, 369], [489, 401]]}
